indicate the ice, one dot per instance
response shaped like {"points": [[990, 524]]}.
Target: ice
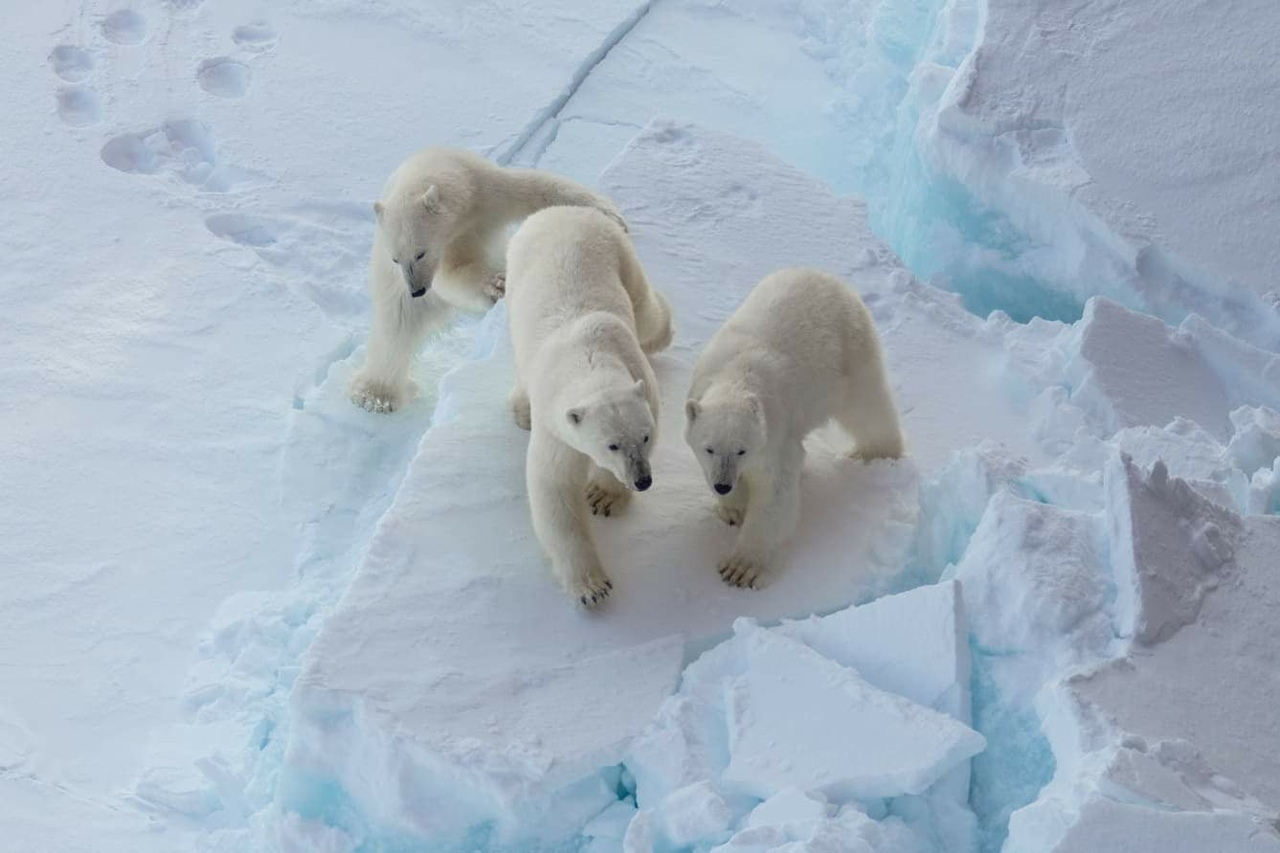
{"points": [[1034, 577], [712, 729], [695, 814], [930, 666], [799, 719], [1169, 546], [1029, 122], [1106, 826], [1141, 373], [1199, 672]]}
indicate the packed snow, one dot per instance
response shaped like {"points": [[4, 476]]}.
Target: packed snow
{"points": [[241, 614]]}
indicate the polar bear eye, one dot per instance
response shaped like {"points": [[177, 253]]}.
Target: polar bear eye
{"points": [[710, 452], [742, 453], [395, 260], [613, 447], [421, 255], [646, 439]]}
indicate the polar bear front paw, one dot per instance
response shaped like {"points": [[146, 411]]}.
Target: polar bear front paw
{"points": [[591, 588], [606, 499], [376, 395], [495, 287], [743, 570], [730, 514]]}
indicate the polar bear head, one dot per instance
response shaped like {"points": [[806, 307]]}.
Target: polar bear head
{"points": [[725, 432], [416, 227], [615, 428]]}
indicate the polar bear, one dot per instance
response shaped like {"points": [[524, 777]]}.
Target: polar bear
{"points": [[583, 321], [441, 228], [799, 351]]}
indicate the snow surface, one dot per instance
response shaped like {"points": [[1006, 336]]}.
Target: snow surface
{"points": [[241, 614]]}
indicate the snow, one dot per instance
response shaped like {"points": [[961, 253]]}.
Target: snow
{"points": [[241, 615]]}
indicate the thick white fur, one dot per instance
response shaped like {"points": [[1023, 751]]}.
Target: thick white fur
{"points": [[442, 225], [800, 350], [583, 318]]}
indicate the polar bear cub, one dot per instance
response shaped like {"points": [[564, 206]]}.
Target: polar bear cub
{"points": [[441, 230], [799, 351], [583, 318]]}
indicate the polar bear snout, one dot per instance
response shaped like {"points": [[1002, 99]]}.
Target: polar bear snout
{"points": [[639, 473], [723, 488]]}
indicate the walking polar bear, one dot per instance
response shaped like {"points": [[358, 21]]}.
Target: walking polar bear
{"points": [[799, 351], [441, 223], [583, 321]]}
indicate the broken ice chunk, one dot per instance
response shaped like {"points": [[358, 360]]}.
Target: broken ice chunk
{"points": [[797, 719]]}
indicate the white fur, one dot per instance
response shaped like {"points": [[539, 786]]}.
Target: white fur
{"points": [[799, 351], [442, 221], [583, 317]]}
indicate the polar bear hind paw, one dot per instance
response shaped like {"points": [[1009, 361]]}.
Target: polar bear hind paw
{"points": [[496, 287], [377, 396]]}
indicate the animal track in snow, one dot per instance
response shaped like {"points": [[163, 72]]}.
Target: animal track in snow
{"points": [[78, 106], [125, 27], [224, 77], [257, 232], [71, 63], [257, 36], [325, 245], [184, 149]]}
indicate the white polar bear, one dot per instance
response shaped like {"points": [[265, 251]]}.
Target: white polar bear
{"points": [[799, 351], [438, 245], [583, 319]]}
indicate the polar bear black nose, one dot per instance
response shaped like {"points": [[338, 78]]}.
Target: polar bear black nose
{"points": [[723, 488], [416, 293], [643, 483]]}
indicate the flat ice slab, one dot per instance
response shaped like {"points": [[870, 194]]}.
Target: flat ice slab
{"points": [[455, 656], [797, 719]]}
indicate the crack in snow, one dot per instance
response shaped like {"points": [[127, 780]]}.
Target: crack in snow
{"points": [[551, 113]]}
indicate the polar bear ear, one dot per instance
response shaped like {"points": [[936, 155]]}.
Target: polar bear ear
{"points": [[691, 409], [575, 415], [379, 210], [638, 387], [431, 199]]}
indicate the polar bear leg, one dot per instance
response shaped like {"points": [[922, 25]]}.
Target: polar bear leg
{"points": [[771, 518], [605, 494], [555, 475], [468, 276], [399, 326], [870, 416], [654, 327], [521, 410]]}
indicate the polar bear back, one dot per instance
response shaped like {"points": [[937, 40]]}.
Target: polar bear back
{"points": [[563, 264], [802, 334]]}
